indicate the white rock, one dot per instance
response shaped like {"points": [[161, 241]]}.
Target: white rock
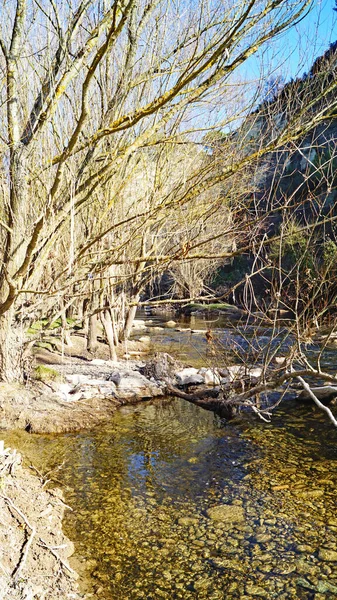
{"points": [[170, 324], [145, 339], [189, 376], [238, 371], [280, 360], [235, 372], [138, 322], [64, 389], [255, 372], [134, 384], [211, 378], [98, 361]]}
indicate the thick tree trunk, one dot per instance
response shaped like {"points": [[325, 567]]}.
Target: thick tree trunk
{"points": [[11, 350]]}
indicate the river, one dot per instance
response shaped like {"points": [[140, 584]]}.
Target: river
{"points": [[143, 488]]}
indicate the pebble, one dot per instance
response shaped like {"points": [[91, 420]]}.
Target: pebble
{"points": [[255, 590]]}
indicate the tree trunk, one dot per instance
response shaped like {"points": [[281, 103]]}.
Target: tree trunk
{"points": [[109, 332], [11, 367], [65, 331], [125, 334], [92, 334]]}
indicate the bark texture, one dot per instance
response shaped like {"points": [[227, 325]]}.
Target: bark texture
{"points": [[11, 351]]}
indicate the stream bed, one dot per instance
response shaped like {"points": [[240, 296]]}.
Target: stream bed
{"points": [[144, 486], [169, 502]]}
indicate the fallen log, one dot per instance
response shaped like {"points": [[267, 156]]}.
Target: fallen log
{"points": [[212, 399]]}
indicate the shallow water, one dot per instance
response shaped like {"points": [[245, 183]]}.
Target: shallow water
{"points": [[142, 485]]}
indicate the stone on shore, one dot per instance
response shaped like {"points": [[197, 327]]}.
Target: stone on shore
{"points": [[131, 385], [189, 376], [210, 376]]}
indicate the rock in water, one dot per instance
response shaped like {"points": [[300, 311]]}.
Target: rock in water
{"points": [[327, 555], [228, 513], [170, 324]]}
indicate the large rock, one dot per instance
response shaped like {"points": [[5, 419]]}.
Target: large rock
{"points": [[235, 372], [170, 324], [227, 513], [162, 367], [189, 376], [325, 393], [134, 385]]}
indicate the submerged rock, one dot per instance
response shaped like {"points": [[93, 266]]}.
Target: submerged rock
{"points": [[327, 555], [229, 513]]}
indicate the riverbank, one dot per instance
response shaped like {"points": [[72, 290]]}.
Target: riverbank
{"points": [[82, 394], [34, 551]]}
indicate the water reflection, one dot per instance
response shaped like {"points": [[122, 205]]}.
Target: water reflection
{"points": [[143, 485]]}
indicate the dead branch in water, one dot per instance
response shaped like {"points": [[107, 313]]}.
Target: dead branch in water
{"points": [[209, 399]]}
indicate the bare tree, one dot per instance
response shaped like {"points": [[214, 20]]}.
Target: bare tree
{"points": [[81, 95]]}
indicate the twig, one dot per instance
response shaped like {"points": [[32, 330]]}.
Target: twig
{"points": [[318, 402], [256, 410]]}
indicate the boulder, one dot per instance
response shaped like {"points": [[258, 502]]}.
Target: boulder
{"points": [[162, 367], [255, 372], [189, 376], [326, 393], [138, 323], [327, 554], [235, 372], [133, 385]]}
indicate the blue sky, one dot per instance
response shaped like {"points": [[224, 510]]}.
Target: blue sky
{"points": [[296, 49]]}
